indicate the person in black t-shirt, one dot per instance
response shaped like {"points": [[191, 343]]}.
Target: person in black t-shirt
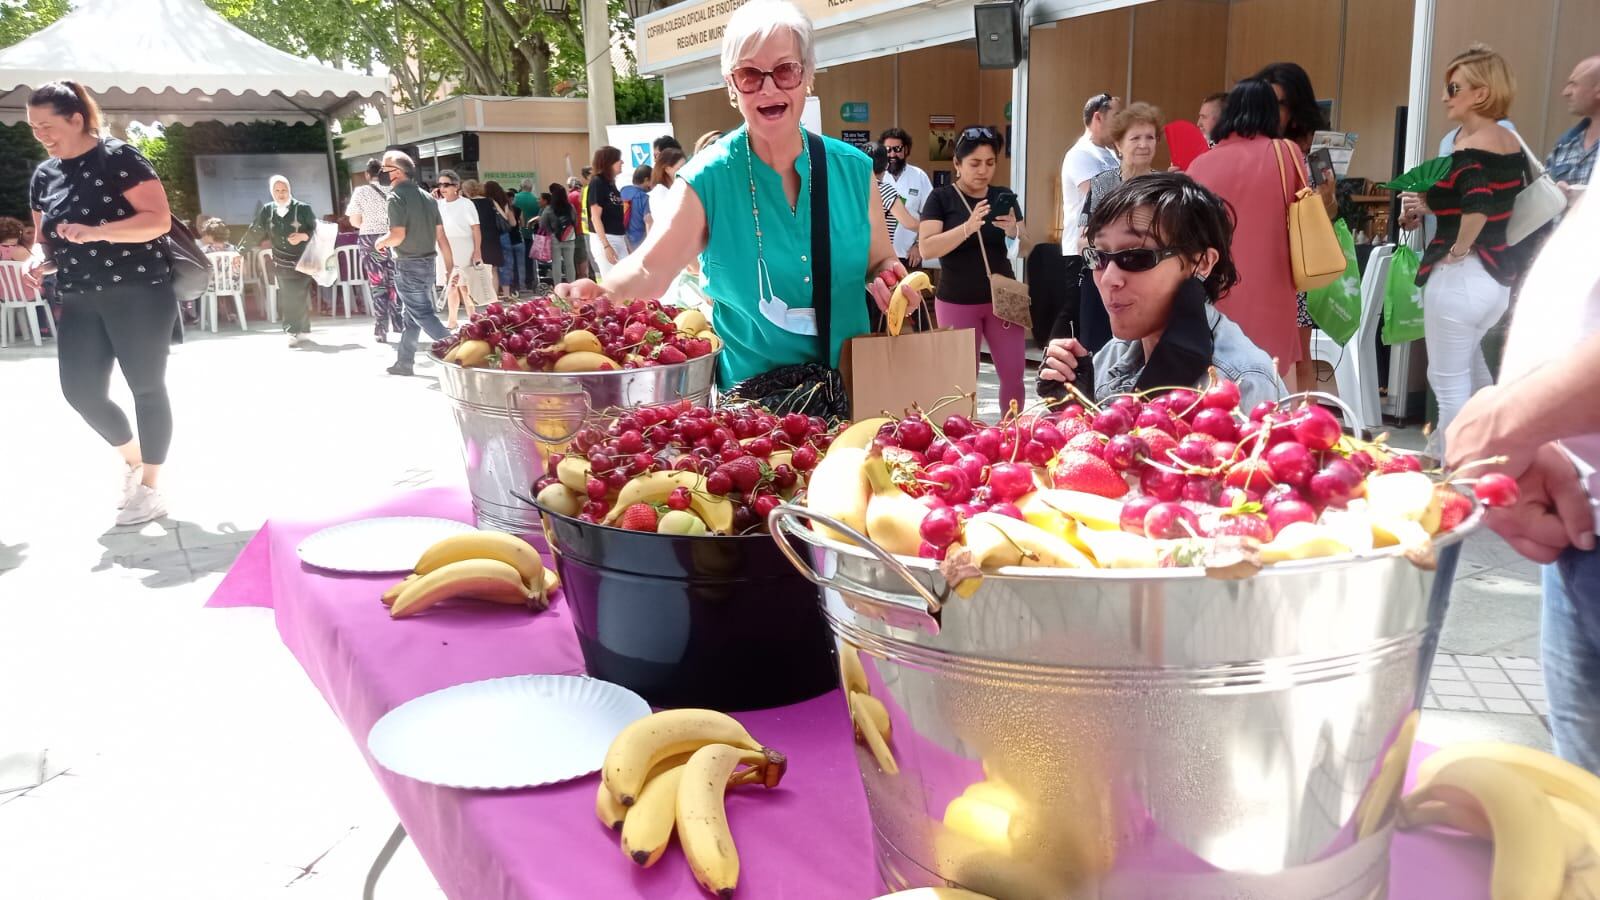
{"points": [[608, 227], [955, 219], [100, 215]]}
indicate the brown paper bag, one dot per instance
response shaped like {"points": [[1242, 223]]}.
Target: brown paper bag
{"points": [[883, 373]]}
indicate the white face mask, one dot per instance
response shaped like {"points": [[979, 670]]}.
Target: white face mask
{"points": [[794, 321]]}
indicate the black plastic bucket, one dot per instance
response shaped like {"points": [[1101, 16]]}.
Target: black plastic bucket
{"points": [[716, 622]]}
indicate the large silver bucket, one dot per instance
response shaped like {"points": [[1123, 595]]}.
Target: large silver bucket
{"points": [[511, 423], [1165, 736]]}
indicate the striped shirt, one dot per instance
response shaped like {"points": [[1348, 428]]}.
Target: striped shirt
{"points": [[1479, 182], [888, 195]]}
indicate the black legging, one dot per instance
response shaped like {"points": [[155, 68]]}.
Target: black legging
{"points": [[131, 326]]}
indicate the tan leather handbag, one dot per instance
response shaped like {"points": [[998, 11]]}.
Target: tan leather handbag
{"points": [[1314, 252], [1008, 296]]}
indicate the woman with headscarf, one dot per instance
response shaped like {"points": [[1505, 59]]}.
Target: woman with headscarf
{"points": [[288, 224]]}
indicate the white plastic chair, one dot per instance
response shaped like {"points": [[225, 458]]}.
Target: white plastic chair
{"points": [[227, 280], [1355, 365], [17, 297], [269, 282], [252, 271], [352, 278]]}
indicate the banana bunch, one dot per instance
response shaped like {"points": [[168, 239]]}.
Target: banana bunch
{"points": [[898, 304], [1542, 813], [870, 716], [693, 321], [482, 565], [668, 773], [653, 488]]}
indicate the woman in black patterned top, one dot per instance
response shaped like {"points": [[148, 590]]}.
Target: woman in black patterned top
{"points": [[100, 215], [1468, 268]]}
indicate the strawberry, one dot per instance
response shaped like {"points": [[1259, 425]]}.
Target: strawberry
{"points": [[745, 472], [1158, 441], [1252, 474], [639, 517], [1076, 470], [1456, 507], [669, 355], [1086, 441]]}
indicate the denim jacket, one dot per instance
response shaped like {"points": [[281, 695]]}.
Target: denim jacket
{"points": [[1118, 364]]}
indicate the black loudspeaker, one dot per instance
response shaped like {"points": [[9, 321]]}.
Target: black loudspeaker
{"points": [[469, 146], [999, 28]]}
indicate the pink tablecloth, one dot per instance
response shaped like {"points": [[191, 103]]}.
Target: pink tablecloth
{"points": [[809, 839]]}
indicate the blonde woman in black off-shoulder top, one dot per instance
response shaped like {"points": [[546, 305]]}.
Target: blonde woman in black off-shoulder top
{"points": [[1468, 268]]}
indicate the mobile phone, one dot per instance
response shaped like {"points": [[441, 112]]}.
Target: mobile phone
{"points": [[1004, 202]]}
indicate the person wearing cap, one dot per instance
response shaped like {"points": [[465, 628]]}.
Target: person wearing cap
{"points": [[288, 224]]}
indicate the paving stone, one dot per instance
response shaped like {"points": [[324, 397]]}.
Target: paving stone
{"points": [[1476, 662], [1463, 704], [1518, 662], [1532, 691], [1441, 727], [1487, 676], [1522, 676], [1516, 707], [1447, 688], [1500, 691]]}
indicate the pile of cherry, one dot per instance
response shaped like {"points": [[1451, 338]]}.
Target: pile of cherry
{"points": [[533, 335], [1184, 464]]}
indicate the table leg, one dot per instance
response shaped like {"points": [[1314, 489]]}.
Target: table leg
{"points": [[382, 862]]}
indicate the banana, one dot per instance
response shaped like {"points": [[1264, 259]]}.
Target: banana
{"points": [[709, 335], [692, 321], [551, 582], [934, 893], [876, 712], [1004, 541], [870, 733], [649, 740], [852, 675], [581, 341], [1530, 847], [703, 818], [859, 435], [507, 548], [1405, 495], [561, 499], [654, 487], [610, 812], [1119, 549], [1091, 510], [894, 518], [1374, 804], [1550, 774], [472, 353], [648, 827], [393, 592], [898, 303], [585, 361], [483, 579], [573, 472], [1302, 540], [839, 488]]}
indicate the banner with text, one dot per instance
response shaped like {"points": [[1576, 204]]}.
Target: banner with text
{"points": [[689, 30]]}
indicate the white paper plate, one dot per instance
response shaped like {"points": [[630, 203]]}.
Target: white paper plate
{"points": [[514, 732], [374, 546]]}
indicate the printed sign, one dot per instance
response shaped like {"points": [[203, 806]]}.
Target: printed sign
{"points": [[856, 138], [637, 142], [854, 111], [941, 138]]}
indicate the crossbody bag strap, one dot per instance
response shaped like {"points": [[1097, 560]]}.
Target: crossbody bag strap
{"points": [[983, 252], [821, 255]]}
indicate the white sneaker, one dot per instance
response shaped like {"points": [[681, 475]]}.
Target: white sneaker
{"points": [[130, 482], [146, 505]]}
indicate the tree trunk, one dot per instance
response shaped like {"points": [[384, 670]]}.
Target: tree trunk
{"points": [[540, 49]]}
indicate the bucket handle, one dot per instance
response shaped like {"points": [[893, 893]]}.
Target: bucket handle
{"points": [[1358, 427], [782, 519], [514, 412]]}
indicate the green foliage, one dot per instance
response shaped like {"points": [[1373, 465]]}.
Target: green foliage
{"points": [[638, 99], [19, 153], [20, 18]]}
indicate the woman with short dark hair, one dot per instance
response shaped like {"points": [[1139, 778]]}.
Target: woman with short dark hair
{"points": [[510, 240], [958, 230], [608, 229], [99, 216], [1257, 175], [1160, 252]]}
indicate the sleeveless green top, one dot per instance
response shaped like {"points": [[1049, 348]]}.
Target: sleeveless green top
{"points": [[752, 343]]}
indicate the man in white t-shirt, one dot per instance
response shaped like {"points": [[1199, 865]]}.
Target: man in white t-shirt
{"points": [[913, 186], [1543, 418], [1091, 155]]}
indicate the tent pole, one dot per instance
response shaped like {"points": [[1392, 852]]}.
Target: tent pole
{"points": [[388, 120], [333, 164]]}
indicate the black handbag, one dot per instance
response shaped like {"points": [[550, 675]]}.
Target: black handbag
{"points": [[815, 389], [190, 270]]}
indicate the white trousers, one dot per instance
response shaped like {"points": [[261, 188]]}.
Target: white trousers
{"points": [[1460, 303], [597, 252]]}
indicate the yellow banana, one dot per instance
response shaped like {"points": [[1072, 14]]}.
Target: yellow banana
{"points": [[573, 472], [709, 335], [867, 730], [472, 353], [507, 548], [483, 579], [561, 499], [1302, 540], [852, 675], [1005, 541], [654, 487], [1374, 804], [894, 518], [875, 712], [898, 302], [581, 341], [585, 361], [1550, 774], [551, 582], [392, 593], [610, 812], [934, 893], [1405, 495], [692, 321], [1092, 510], [647, 741], [839, 488], [859, 435], [703, 818], [1530, 847], [648, 827]]}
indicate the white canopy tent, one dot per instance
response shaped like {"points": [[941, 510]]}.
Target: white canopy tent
{"points": [[173, 61]]}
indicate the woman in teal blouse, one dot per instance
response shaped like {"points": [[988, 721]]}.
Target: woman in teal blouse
{"points": [[744, 204]]}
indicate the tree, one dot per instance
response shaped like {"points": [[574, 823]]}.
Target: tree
{"points": [[20, 18], [638, 99]]}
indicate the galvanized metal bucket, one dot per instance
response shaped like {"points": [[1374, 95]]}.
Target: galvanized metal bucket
{"points": [[511, 423], [1158, 734]]}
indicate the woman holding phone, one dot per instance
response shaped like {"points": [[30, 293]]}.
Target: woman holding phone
{"points": [[966, 225]]}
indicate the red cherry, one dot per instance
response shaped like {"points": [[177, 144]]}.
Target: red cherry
{"points": [[1134, 511], [941, 527], [719, 483], [1290, 462], [1251, 474], [957, 427], [1037, 454], [1223, 395], [926, 550], [1340, 467], [1159, 484], [1113, 420], [804, 458], [1497, 489], [1260, 410], [759, 447], [1328, 489], [973, 465], [1200, 489], [1010, 480], [1007, 508], [950, 483], [1317, 429], [596, 488], [1168, 521], [785, 477], [1286, 512], [1125, 450], [915, 434], [1217, 422], [1154, 418], [643, 462], [1193, 452], [764, 504], [796, 426], [679, 498], [987, 443], [630, 442]]}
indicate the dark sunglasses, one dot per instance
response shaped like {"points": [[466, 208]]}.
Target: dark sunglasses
{"points": [[898, 148], [1099, 102], [978, 131], [1139, 259], [445, 184], [1452, 89], [748, 79]]}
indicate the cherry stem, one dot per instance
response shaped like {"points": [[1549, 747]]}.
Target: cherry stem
{"points": [[1455, 476]]}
